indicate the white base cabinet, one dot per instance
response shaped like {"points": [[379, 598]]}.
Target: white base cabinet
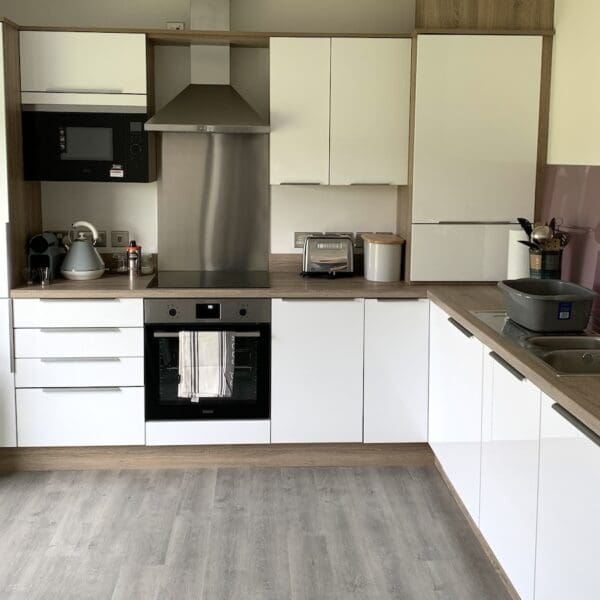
{"points": [[396, 371], [509, 470], [455, 384], [80, 417], [568, 520], [182, 433], [8, 420], [317, 371]]}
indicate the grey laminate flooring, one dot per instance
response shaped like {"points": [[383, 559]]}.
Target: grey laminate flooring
{"points": [[248, 534]]}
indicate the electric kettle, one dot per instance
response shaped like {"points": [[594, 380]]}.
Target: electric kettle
{"points": [[82, 261]]}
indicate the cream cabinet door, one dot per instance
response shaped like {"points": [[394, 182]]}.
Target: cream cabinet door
{"points": [[396, 372], [455, 380], [300, 80], [370, 106], [476, 127], [568, 520], [317, 371], [86, 67], [509, 470]]}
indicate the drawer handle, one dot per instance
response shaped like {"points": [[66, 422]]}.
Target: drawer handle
{"points": [[371, 183], [400, 299], [508, 366], [50, 300], [80, 329], [458, 326], [61, 90], [317, 299], [81, 389], [565, 414], [82, 359], [300, 183]]}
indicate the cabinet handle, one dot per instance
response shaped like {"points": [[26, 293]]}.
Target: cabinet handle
{"points": [[49, 300], [59, 90], [175, 334], [508, 366], [81, 389], [11, 336], [82, 359], [317, 299], [370, 183], [476, 223], [458, 326], [400, 299], [301, 183], [584, 429], [80, 329]]}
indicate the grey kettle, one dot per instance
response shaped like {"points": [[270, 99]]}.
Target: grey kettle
{"points": [[82, 261]]}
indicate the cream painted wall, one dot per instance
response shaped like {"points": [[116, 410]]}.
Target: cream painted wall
{"points": [[134, 206], [119, 206], [574, 115], [328, 208]]}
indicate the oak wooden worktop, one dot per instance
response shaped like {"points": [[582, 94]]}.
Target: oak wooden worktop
{"points": [[283, 285], [580, 395]]}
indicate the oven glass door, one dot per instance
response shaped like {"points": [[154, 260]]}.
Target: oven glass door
{"points": [[250, 397]]}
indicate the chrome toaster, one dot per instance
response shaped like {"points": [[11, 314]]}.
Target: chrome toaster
{"points": [[328, 255]]}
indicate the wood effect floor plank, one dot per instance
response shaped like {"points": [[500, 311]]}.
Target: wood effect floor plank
{"points": [[249, 534]]}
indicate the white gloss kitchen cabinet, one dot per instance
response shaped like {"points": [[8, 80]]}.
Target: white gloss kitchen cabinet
{"points": [[82, 383], [568, 523], [509, 470], [317, 371], [477, 104], [339, 111], [455, 386], [7, 386], [83, 68], [396, 370]]}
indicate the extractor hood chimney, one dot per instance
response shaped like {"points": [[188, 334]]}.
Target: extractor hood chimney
{"points": [[209, 104]]}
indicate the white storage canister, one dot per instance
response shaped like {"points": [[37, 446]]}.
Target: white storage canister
{"points": [[383, 256]]}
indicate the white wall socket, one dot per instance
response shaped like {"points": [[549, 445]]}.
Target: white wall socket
{"points": [[119, 239]]}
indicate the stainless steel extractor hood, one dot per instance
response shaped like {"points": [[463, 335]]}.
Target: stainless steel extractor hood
{"points": [[204, 108]]}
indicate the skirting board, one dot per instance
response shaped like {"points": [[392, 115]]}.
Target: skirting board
{"points": [[208, 457], [486, 548]]}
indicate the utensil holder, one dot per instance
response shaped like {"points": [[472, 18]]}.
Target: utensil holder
{"points": [[545, 264]]}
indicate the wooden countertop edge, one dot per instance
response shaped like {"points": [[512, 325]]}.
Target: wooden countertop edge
{"points": [[522, 360]]}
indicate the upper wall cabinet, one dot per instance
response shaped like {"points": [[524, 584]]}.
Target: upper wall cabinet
{"points": [[370, 106], [300, 79], [83, 68], [340, 111], [476, 127], [574, 113]]}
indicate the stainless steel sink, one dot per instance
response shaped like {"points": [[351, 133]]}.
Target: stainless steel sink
{"points": [[573, 361], [564, 342]]}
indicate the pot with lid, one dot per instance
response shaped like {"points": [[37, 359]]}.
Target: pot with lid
{"points": [[82, 261]]}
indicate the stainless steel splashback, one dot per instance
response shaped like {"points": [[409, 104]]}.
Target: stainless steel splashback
{"points": [[213, 202]]}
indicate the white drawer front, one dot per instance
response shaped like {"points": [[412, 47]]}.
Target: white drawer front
{"points": [[78, 372], [110, 312], [177, 433], [80, 417], [58, 342]]}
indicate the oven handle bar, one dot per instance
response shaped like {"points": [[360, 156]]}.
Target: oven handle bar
{"points": [[174, 334]]}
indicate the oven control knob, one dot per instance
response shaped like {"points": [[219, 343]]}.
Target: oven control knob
{"points": [[243, 312], [135, 149], [172, 311]]}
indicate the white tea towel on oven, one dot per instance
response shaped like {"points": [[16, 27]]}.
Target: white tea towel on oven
{"points": [[205, 364]]}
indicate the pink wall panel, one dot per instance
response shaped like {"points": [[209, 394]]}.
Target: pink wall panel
{"points": [[572, 195]]}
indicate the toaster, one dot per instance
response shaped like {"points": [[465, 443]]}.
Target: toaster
{"points": [[328, 255]]}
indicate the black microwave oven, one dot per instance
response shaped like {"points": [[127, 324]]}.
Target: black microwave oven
{"points": [[76, 146]]}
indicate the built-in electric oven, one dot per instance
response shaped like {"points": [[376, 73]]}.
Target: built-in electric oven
{"points": [[87, 146], [247, 324]]}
